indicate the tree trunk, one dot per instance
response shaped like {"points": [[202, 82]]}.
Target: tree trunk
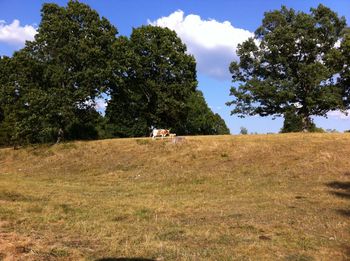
{"points": [[60, 135], [306, 123]]}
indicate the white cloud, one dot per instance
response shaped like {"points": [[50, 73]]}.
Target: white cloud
{"points": [[339, 115], [16, 34], [212, 43]]}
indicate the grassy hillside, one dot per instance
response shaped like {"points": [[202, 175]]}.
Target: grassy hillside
{"points": [[260, 197]]}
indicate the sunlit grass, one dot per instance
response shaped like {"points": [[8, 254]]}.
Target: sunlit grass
{"points": [[260, 197]]}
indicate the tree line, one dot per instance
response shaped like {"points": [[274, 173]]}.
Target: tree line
{"points": [[50, 87], [296, 66]]}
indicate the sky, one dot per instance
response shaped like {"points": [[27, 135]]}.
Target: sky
{"points": [[211, 29]]}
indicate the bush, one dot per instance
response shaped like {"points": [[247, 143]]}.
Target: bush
{"points": [[244, 131], [332, 130]]}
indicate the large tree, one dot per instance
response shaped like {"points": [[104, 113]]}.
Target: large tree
{"points": [[289, 66], [155, 86], [156, 79], [59, 75]]}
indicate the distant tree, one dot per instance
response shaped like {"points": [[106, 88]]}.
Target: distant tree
{"points": [[58, 75], [332, 131], [244, 131], [289, 66]]}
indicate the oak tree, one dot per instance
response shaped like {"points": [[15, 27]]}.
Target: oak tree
{"points": [[289, 66]]}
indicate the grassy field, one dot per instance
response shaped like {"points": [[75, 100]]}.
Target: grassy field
{"points": [[256, 197]]}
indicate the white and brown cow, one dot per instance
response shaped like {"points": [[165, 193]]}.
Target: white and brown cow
{"points": [[160, 133]]}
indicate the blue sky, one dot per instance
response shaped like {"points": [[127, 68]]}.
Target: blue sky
{"points": [[211, 30]]}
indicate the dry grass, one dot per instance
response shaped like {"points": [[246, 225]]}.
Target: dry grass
{"points": [[258, 197]]}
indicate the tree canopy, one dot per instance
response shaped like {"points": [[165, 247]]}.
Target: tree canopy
{"points": [[289, 66], [156, 86]]}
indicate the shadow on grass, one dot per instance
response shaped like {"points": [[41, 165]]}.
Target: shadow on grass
{"points": [[344, 212], [124, 259], [345, 195], [341, 190], [339, 185], [16, 197]]}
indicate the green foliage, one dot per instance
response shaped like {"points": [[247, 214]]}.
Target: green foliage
{"points": [[157, 77], [6, 130], [290, 66], [84, 127], [2, 115], [125, 113], [156, 87], [219, 125], [53, 82], [200, 118], [317, 129], [294, 123], [5, 126]]}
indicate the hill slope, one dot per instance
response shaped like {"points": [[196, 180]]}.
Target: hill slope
{"points": [[261, 197]]}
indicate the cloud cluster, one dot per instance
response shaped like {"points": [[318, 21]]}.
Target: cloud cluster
{"points": [[339, 115], [212, 43], [16, 34]]}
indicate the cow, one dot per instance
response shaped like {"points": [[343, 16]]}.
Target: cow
{"points": [[159, 133]]}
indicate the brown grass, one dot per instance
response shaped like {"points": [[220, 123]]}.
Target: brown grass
{"points": [[257, 197]]}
